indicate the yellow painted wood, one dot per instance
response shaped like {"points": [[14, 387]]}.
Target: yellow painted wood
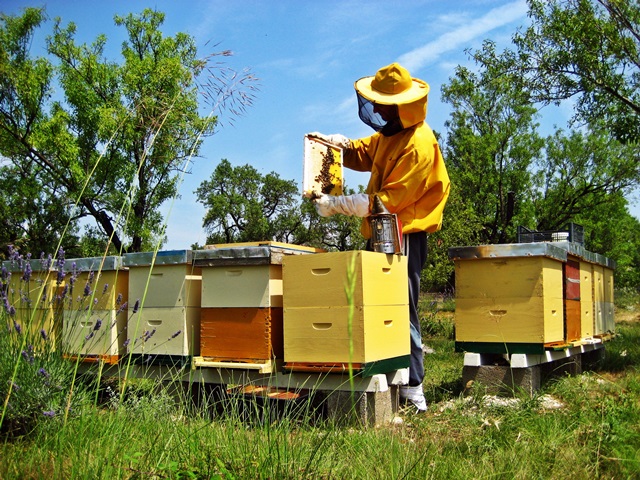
{"points": [[80, 337], [38, 292], [242, 286], [166, 322], [510, 319], [586, 300], [608, 284], [598, 283], [508, 277], [321, 335], [587, 325], [165, 285], [319, 280]]}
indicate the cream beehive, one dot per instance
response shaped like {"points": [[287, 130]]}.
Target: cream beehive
{"points": [[94, 314], [323, 326], [242, 295]]}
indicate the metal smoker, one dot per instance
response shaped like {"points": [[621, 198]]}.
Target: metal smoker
{"points": [[385, 233]]}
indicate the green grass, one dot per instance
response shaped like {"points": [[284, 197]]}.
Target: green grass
{"points": [[590, 430]]}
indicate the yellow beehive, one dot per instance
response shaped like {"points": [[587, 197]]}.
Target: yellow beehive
{"points": [[320, 280], [94, 315], [509, 297], [35, 300], [320, 328], [586, 300]]}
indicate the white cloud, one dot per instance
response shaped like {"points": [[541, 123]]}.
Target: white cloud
{"points": [[430, 52]]}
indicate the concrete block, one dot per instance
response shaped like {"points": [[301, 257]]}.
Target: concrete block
{"points": [[365, 408]]}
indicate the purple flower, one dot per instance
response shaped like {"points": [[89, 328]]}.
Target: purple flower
{"points": [[91, 276], [126, 343], [17, 326], [26, 274], [121, 308], [136, 306], [43, 373], [119, 299], [5, 273], [87, 290], [49, 413], [97, 325], [95, 301], [88, 337], [12, 312], [175, 334], [104, 289], [43, 334]]}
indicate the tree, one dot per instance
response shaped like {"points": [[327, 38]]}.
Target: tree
{"points": [[587, 50], [117, 143], [491, 143], [243, 205]]}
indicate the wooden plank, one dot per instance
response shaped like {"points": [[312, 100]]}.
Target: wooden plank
{"points": [[573, 320], [242, 286]]}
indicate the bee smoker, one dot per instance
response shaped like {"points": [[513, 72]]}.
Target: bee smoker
{"points": [[385, 229]]}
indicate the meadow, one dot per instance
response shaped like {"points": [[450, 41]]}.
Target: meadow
{"points": [[60, 424]]}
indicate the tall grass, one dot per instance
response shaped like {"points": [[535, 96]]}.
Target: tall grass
{"points": [[583, 426]]}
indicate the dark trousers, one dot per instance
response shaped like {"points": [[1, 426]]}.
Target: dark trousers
{"points": [[414, 247]]}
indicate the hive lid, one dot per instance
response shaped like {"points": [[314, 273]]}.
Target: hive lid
{"points": [[167, 257], [94, 264], [509, 250], [322, 169], [250, 253]]}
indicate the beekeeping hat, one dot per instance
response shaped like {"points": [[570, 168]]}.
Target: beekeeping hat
{"points": [[392, 85]]}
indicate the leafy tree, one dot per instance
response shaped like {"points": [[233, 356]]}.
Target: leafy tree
{"points": [[116, 145], [492, 141], [587, 50]]}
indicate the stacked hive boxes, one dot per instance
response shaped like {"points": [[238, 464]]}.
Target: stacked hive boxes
{"points": [[94, 315], [242, 292], [325, 329], [164, 307], [31, 289], [523, 298]]}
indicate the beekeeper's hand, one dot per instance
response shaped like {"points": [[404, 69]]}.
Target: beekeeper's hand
{"points": [[356, 205], [336, 139]]}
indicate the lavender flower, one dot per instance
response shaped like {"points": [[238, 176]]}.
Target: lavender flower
{"points": [[121, 308], [60, 266], [91, 276], [126, 343], [88, 337], [87, 290], [16, 325], [12, 313], [42, 372], [95, 301], [119, 299], [136, 306], [43, 334], [104, 289], [49, 413], [175, 334], [97, 325], [26, 274], [5, 274]]}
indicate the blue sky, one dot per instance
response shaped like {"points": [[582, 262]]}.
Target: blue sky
{"points": [[307, 55]]}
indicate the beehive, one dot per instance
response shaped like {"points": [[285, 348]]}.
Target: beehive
{"points": [[242, 295], [95, 314], [324, 329], [523, 298], [35, 299], [508, 297], [164, 306]]}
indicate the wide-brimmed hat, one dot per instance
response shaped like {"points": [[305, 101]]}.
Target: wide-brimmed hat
{"points": [[392, 85]]}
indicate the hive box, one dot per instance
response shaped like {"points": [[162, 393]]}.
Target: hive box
{"points": [[326, 330], [528, 297], [94, 315], [242, 295], [36, 299], [165, 328], [509, 298]]}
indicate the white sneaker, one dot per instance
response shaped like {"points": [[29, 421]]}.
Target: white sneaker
{"points": [[413, 396]]}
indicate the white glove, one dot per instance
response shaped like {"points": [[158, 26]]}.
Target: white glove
{"points": [[356, 205], [336, 139]]}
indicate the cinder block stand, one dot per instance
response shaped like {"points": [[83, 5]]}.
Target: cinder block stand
{"points": [[510, 374]]}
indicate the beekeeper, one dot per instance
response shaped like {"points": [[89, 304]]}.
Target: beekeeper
{"points": [[407, 173]]}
